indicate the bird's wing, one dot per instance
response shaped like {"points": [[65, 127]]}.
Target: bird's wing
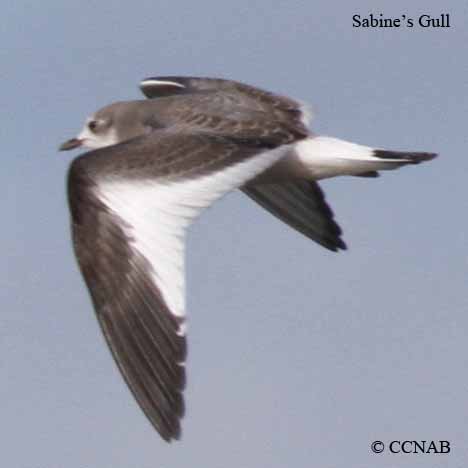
{"points": [[162, 86], [130, 206], [239, 94], [300, 204]]}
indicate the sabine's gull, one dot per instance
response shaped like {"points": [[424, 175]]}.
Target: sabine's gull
{"points": [[155, 165]]}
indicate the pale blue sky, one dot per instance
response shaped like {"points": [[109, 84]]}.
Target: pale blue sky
{"points": [[298, 356]]}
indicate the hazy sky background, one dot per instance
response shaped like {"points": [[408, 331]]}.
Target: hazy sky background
{"points": [[298, 357]]}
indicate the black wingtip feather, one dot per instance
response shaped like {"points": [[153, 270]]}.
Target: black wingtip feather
{"points": [[406, 157], [369, 174], [302, 206]]}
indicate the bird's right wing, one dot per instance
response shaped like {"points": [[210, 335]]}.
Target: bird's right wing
{"points": [[163, 86], [300, 204], [235, 94], [130, 206]]}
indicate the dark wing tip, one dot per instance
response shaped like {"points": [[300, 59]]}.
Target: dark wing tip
{"points": [[407, 157], [337, 245], [170, 435], [368, 174], [302, 206]]}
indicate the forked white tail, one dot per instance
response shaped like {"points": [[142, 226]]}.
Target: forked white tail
{"points": [[321, 157]]}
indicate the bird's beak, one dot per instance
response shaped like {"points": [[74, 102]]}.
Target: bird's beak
{"points": [[70, 144]]}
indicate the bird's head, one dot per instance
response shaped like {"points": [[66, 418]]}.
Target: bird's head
{"points": [[110, 125]]}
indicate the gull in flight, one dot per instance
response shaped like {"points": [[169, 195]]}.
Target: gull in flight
{"points": [[155, 165]]}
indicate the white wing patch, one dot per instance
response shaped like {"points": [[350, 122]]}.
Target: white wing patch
{"points": [[152, 82], [306, 113], [159, 213]]}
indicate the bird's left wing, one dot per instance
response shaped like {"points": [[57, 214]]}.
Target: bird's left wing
{"points": [[130, 206]]}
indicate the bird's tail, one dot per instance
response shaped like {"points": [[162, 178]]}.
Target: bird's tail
{"points": [[328, 157]]}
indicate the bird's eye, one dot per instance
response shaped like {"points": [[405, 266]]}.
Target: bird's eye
{"points": [[92, 125]]}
